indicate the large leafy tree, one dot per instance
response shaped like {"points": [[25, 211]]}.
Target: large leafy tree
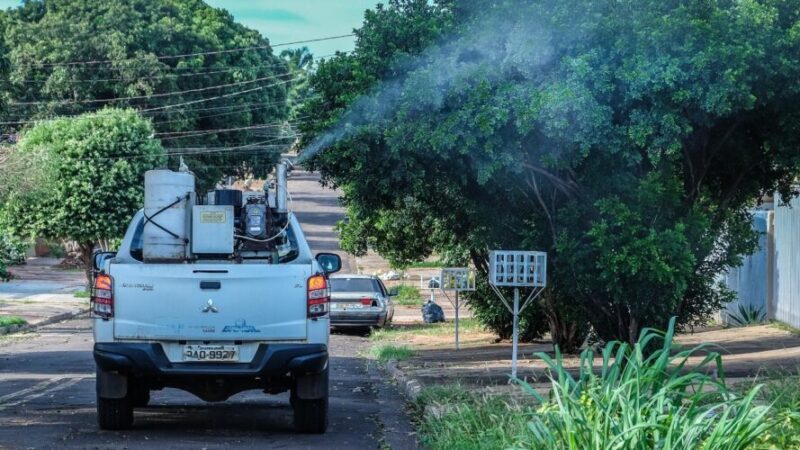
{"points": [[67, 57], [94, 169], [628, 139]]}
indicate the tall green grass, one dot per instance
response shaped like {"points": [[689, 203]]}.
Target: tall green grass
{"points": [[646, 396], [386, 352], [636, 399]]}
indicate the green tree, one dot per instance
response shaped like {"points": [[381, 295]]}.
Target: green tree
{"points": [[94, 165], [301, 65], [627, 139], [68, 57]]}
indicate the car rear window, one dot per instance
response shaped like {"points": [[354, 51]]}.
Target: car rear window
{"points": [[353, 285]]}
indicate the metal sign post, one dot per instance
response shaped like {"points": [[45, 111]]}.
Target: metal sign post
{"points": [[517, 269], [459, 279]]}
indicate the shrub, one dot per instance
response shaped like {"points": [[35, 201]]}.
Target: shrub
{"points": [[408, 296], [748, 315], [641, 400]]}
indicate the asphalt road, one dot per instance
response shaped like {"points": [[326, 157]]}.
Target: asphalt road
{"points": [[47, 400], [47, 389]]}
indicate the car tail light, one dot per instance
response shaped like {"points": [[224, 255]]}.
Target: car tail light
{"points": [[102, 301], [319, 296], [366, 301]]}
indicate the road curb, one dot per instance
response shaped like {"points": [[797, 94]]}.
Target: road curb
{"points": [[49, 321], [411, 387]]}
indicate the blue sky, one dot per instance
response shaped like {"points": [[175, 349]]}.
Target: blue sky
{"points": [[293, 20]]}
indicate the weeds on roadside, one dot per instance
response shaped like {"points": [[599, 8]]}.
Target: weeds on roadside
{"points": [[640, 400], [632, 399], [386, 352], [455, 418]]}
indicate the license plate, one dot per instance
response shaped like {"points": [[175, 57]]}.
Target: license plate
{"points": [[346, 306], [213, 353]]}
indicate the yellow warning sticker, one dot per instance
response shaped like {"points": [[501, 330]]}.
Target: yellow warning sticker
{"points": [[213, 217]]}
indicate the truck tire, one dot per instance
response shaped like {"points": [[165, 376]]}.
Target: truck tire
{"points": [[139, 394], [114, 413], [310, 416]]}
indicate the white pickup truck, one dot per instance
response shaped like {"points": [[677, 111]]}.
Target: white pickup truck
{"points": [[213, 325]]}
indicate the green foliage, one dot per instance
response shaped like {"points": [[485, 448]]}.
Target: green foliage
{"points": [[7, 321], [12, 249], [636, 399], [628, 140], [748, 315], [386, 352], [460, 419], [95, 166], [632, 399], [408, 296], [44, 36], [782, 392]]}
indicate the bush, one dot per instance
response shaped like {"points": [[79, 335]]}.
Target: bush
{"points": [[408, 296], [12, 251], [748, 315], [641, 400]]}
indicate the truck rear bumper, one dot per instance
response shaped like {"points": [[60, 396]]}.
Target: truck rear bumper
{"points": [[271, 360]]}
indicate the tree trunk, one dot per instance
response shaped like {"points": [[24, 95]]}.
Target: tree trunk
{"points": [[87, 250], [566, 333]]}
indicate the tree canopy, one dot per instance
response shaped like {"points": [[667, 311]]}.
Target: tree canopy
{"points": [[627, 139], [184, 64], [94, 169]]}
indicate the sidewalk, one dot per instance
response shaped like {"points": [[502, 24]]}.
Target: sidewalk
{"points": [[41, 292]]}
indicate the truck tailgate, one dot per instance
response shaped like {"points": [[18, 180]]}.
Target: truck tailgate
{"points": [[210, 301]]}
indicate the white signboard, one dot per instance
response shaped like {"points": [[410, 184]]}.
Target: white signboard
{"points": [[517, 268], [458, 279]]}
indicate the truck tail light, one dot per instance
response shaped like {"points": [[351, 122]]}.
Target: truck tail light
{"points": [[319, 296], [102, 301]]}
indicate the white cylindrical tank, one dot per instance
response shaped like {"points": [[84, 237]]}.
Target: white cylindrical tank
{"points": [[166, 233]]}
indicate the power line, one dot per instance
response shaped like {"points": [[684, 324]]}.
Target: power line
{"points": [[140, 97], [187, 55], [164, 75], [193, 102]]}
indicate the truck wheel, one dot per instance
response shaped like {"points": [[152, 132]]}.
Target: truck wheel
{"points": [[114, 413], [310, 416], [139, 394]]}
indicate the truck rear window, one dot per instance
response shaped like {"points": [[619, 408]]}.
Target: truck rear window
{"points": [[353, 285]]}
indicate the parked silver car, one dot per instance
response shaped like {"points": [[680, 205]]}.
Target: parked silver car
{"points": [[360, 301]]}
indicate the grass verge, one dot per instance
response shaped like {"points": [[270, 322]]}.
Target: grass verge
{"points": [[458, 418], [7, 321], [400, 332], [628, 397], [386, 352]]}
